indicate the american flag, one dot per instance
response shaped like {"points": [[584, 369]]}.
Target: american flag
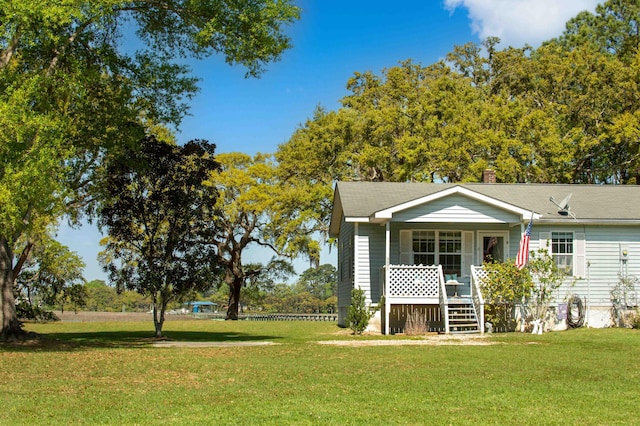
{"points": [[523, 251]]}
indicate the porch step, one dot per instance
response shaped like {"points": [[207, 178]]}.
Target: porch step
{"points": [[462, 317]]}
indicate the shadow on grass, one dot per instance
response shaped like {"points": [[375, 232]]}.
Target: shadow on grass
{"points": [[55, 342]]}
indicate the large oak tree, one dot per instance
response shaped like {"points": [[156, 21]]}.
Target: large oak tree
{"points": [[248, 217]]}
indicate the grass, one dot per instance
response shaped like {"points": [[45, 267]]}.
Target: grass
{"points": [[109, 373]]}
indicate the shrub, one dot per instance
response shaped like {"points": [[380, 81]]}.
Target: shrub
{"points": [[416, 323], [548, 277], [634, 319], [358, 315], [623, 296], [532, 287], [26, 311], [504, 286]]}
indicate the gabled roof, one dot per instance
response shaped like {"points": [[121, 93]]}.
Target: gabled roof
{"points": [[374, 201]]}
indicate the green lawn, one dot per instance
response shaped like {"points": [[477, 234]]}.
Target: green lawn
{"points": [[109, 373]]}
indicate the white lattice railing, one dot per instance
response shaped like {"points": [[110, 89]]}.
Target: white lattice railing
{"points": [[413, 281], [477, 274]]}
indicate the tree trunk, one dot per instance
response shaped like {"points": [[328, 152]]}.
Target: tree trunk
{"points": [[234, 298], [11, 328], [158, 318]]}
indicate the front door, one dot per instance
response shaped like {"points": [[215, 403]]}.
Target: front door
{"points": [[493, 246]]}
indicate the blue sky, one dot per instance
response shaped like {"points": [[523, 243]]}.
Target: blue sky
{"points": [[333, 40]]}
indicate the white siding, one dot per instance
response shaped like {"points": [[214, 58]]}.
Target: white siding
{"points": [[455, 209], [602, 253], [360, 259], [362, 278], [599, 268], [370, 260]]}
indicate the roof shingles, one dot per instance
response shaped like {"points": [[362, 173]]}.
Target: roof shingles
{"points": [[588, 202]]}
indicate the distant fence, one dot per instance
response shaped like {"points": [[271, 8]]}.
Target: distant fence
{"points": [[273, 317], [291, 317]]}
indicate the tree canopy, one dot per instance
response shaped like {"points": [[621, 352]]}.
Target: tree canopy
{"points": [[159, 215], [249, 192], [566, 112], [74, 92]]}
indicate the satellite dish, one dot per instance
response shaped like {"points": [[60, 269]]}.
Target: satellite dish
{"points": [[562, 205]]}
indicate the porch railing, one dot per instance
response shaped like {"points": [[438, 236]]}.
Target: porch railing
{"points": [[477, 274], [410, 284], [444, 300]]}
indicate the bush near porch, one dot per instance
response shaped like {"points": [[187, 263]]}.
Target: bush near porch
{"points": [[532, 288]]}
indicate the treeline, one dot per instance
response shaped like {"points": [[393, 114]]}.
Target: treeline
{"points": [[565, 112], [315, 291]]}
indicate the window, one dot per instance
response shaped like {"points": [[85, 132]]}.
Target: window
{"points": [[424, 247], [432, 248], [450, 249], [562, 250]]}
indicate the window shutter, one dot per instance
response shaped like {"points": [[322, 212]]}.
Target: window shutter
{"points": [[545, 241], [406, 251], [579, 260], [467, 253]]}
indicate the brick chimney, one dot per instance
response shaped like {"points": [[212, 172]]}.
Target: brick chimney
{"points": [[489, 176]]}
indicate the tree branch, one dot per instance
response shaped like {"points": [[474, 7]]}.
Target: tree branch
{"points": [[8, 53], [22, 259]]}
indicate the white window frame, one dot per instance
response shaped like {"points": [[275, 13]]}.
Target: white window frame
{"points": [[480, 242], [407, 254], [578, 266], [426, 253], [563, 259]]}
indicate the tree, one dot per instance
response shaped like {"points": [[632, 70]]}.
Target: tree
{"points": [[321, 282], [612, 29], [100, 296], [72, 95], [565, 112], [608, 43], [52, 272], [75, 295], [158, 213], [248, 217]]}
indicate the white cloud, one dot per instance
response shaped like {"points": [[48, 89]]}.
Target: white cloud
{"points": [[520, 22]]}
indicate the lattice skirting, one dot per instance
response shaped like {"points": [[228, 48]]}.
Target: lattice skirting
{"points": [[399, 314], [414, 282]]}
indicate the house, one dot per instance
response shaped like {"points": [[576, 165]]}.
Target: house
{"points": [[420, 246]]}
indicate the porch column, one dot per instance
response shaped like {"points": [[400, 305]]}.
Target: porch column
{"points": [[387, 251]]}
